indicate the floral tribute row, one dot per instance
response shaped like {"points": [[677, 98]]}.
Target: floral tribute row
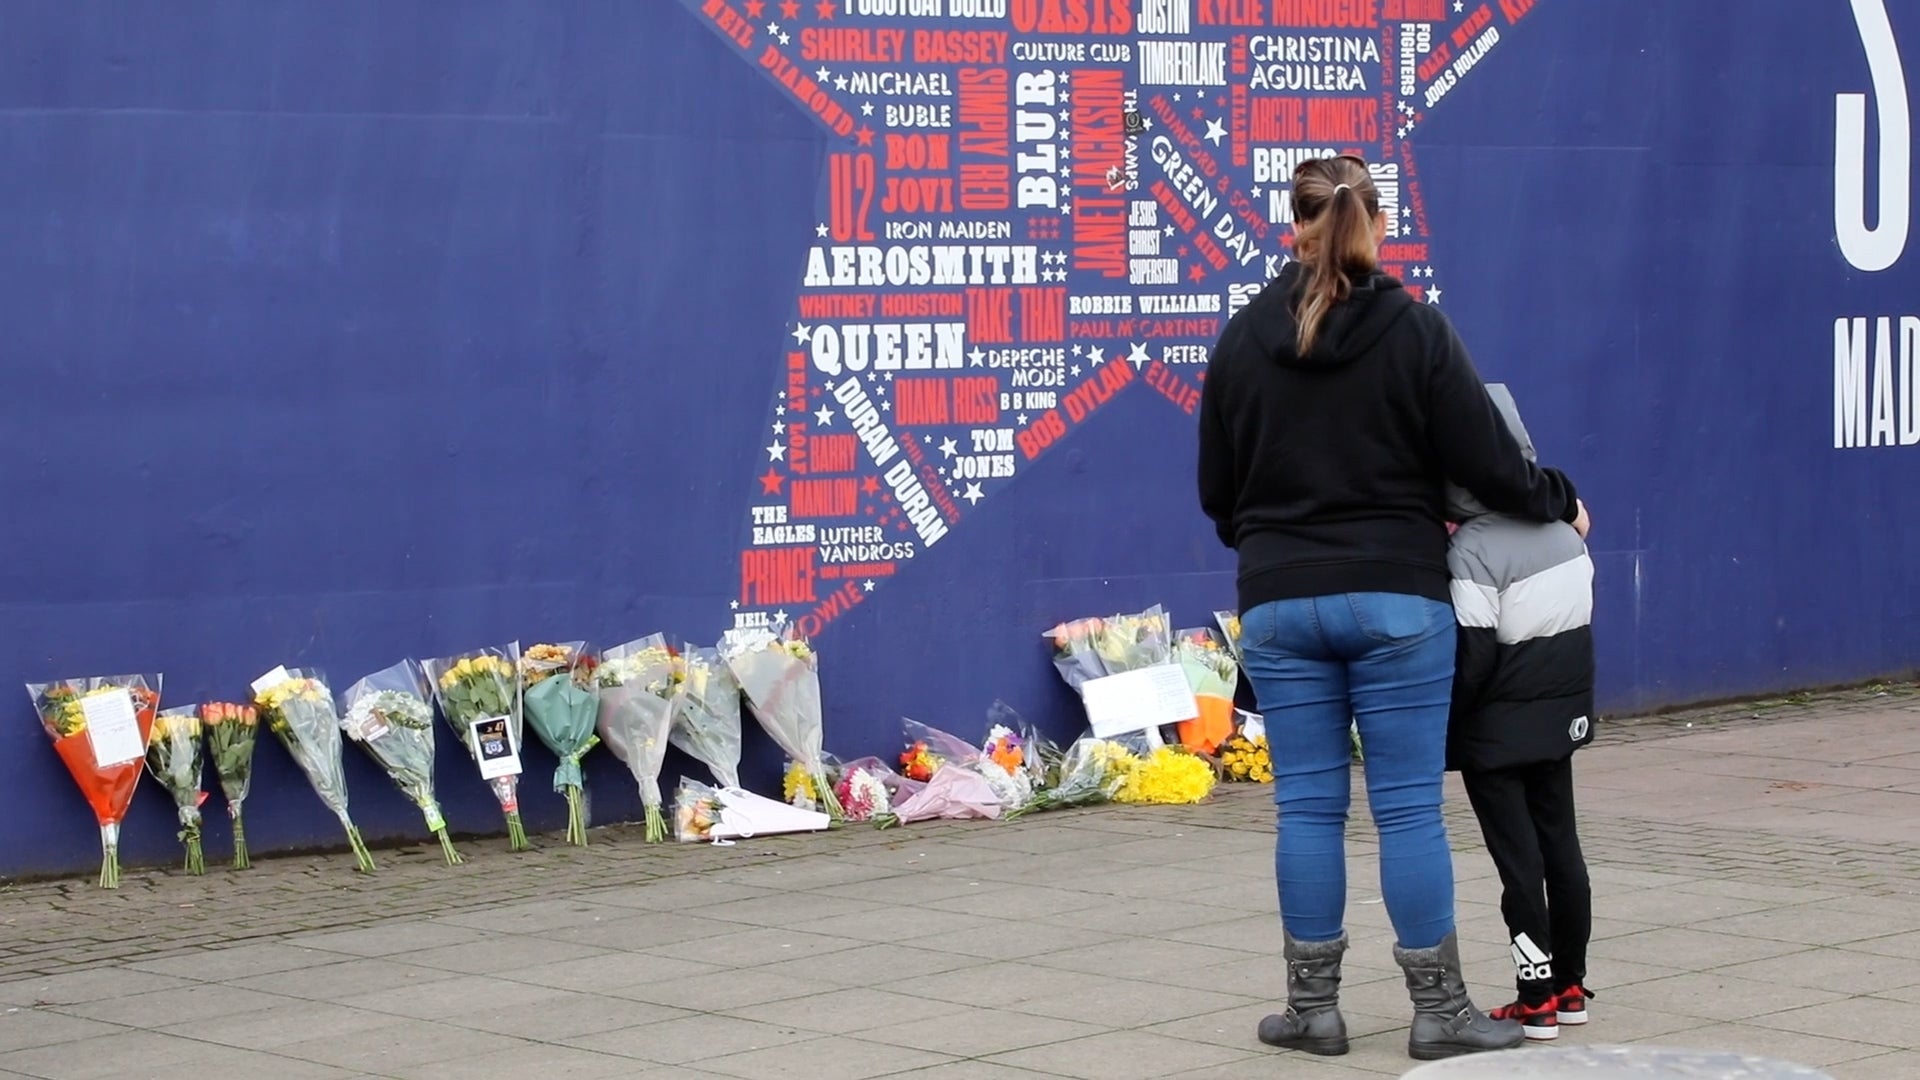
{"points": [[636, 699]]}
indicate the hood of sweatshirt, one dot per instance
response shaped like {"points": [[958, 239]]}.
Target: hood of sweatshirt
{"points": [[1351, 328], [1461, 505]]}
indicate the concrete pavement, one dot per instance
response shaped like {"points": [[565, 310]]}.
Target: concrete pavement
{"points": [[1755, 869]]}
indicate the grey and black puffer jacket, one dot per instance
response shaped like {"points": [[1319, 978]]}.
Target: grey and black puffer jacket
{"points": [[1523, 598]]}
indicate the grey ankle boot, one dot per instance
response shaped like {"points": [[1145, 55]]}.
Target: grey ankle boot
{"points": [[1445, 1022], [1312, 1021]]}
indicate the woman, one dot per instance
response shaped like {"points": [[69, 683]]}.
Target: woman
{"points": [[1334, 411]]}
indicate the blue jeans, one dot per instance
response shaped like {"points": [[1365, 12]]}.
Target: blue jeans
{"points": [[1386, 661]]}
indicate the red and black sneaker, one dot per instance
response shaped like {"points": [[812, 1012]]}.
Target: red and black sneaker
{"points": [[1538, 1022], [1570, 1005]]}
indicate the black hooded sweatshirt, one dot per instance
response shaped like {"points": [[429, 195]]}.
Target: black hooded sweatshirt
{"points": [[1327, 472]]}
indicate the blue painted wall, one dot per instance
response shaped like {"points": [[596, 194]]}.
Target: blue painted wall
{"points": [[340, 333]]}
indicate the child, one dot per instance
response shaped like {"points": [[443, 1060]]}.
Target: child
{"points": [[1522, 704]]}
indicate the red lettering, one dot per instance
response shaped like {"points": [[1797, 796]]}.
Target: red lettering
{"points": [[919, 153], [832, 453], [1279, 120], [1331, 119], [777, 575], [1342, 14], [1043, 432], [976, 400], [1072, 16], [983, 117], [850, 184], [920, 401], [1043, 315], [730, 21], [824, 498], [990, 316], [1232, 13]]}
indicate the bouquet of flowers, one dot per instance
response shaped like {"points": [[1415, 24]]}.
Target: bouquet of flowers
{"points": [[696, 810], [1073, 651], [706, 716], [562, 698], [298, 709], [99, 728], [1090, 649], [1245, 759], [1093, 771], [929, 750], [388, 714], [1211, 673], [1129, 642], [781, 680], [866, 789], [173, 757], [955, 792], [1168, 775], [479, 694], [230, 731], [637, 682], [1017, 746], [1229, 622]]}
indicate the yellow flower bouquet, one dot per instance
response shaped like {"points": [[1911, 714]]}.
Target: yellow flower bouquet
{"points": [[173, 757], [637, 686], [781, 680], [1245, 760], [1168, 776], [298, 708], [479, 694]]}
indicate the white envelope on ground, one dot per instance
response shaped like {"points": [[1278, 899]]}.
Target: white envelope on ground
{"points": [[744, 814]]}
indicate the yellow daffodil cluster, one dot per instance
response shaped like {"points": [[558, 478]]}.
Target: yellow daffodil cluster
{"points": [[793, 647], [471, 668], [1247, 760], [1167, 776]]}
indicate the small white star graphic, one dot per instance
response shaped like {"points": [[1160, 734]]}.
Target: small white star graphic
{"points": [[735, 604], [1215, 132], [1096, 355], [1138, 355], [778, 427], [839, 82], [779, 410], [867, 585], [824, 416], [773, 28], [973, 495], [785, 40], [820, 229], [1074, 370], [1021, 419], [799, 331], [866, 108], [1169, 230], [1433, 295], [776, 452], [780, 617], [977, 358], [1076, 350], [823, 74], [948, 448]]}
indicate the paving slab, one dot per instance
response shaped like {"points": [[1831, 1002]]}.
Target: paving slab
{"points": [[1756, 889]]}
